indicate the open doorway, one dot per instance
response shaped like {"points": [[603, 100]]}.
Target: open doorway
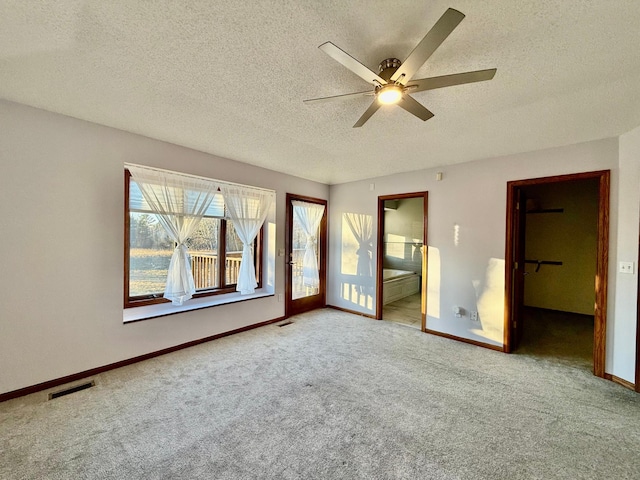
{"points": [[401, 275], [556, 268]]}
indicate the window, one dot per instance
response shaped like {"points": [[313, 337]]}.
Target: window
{"points": [[215, 251]]}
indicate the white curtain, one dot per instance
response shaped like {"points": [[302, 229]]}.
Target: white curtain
{"points": [[309, 216], [179, 202], [362, 228], [248, 208]]}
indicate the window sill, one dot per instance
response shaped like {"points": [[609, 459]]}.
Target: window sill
{"points": [[162, 309]]}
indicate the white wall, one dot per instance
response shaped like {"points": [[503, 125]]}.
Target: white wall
{"points": [[623, 329], [466, 235], [61, 211]]}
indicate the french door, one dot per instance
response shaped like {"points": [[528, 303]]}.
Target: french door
{"points": [[306, 254]]}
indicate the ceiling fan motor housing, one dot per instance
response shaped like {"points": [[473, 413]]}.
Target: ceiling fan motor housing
{"points": [[388, 67]]}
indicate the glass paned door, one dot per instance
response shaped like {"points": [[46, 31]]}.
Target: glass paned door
{"points": [[300, 286], [306, 254]]}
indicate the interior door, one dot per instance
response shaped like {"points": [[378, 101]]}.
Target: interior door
{"points": [[518, 268], [305, 245]]}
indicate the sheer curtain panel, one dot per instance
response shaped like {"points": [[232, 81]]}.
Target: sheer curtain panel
{"points": [[309, 215], [248, 209], [179, 203]]}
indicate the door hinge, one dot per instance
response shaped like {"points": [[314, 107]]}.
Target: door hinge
{"points": [[515, 265], [518, 206]]}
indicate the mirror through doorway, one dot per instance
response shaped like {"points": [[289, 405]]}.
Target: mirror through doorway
{"points": [[402, 256]]}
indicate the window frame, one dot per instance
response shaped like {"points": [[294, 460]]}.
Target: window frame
{"points": [[153, 299]]}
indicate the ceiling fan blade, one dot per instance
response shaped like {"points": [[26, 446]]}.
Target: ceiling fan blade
{"points": [[411, 105], [339, 97], [373, 108], [351, 63], [431, 41], [450, 80]]}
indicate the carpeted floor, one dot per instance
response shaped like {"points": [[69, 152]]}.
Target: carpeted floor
{"points": [[560, 336], [331, 396]]}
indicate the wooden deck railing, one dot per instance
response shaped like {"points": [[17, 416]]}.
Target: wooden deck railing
{"points": [[205, 269]]}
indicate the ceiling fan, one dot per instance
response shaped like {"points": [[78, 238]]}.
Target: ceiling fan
{"points": [[394, 82]]}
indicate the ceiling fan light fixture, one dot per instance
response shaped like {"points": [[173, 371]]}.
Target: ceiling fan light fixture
{"points": [[389, 94]]}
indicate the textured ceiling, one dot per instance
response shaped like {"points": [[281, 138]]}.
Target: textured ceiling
{"points": [[229, 78]]}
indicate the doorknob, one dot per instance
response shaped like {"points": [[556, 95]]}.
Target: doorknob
{"points": [[292, 263]]}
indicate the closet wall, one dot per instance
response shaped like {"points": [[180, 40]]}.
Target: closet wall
{"points": [[567, 236]]}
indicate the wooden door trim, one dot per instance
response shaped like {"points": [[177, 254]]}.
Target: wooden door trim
{"points": [[288, 245], [637, 384], [602, 262], [512, 212], [380, 255]]}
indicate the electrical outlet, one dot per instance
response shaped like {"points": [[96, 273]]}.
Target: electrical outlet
{"points": [[473, 316], [626, 267]]}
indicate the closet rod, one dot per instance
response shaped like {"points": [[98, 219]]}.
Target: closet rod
{"points": [[542, 262]]}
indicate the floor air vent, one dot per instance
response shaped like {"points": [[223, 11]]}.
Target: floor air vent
{"points": [[284, 324], [74, 389]]}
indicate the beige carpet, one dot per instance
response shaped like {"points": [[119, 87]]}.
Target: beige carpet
{"points": [[558, 336], [331, 396]]}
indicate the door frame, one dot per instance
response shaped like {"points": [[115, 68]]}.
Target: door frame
{"points": [[288, 308], [637, 378], [602, 260], [518, 271], [380, 252]]}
